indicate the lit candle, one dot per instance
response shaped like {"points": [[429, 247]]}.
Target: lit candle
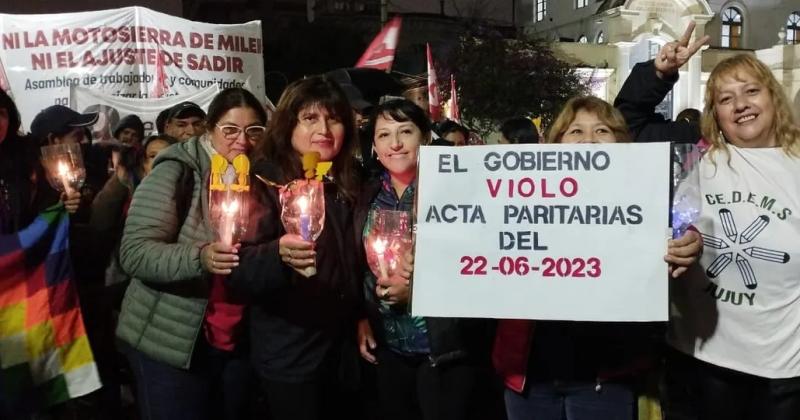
{"points": [[305, 219], [229, 210], [63, 173], [379, 246]]}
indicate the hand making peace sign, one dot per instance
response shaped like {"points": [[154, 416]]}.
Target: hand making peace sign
{"points": [[675, 54]]}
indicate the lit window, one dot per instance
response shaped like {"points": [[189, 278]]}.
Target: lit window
{"points": [[541, 10], [581, 3], [601, 37], [793, 29], [732, 28], [583, 40]]}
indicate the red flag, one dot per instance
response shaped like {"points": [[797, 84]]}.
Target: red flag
{"points": [[452, 111], [161, 76], [434, 104], [380, 53]]}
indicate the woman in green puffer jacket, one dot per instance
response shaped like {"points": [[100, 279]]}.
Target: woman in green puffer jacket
{"points": [[183, 347]]}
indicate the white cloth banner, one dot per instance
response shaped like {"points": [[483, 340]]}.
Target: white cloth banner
{"points": [[569, 232], [131, 52], [114, 108]]}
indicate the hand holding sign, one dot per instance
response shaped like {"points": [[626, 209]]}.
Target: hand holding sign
{"points": [[675, 54]]}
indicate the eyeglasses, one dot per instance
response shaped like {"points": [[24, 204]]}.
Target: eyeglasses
{"points": [[232, 132]]}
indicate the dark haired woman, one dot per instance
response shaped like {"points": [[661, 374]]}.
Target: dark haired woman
{"points": [[427, 368], [185, 343], [298, 324]]}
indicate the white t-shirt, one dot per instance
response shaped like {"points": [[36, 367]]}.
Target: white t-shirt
{"points": [[741, 308]]}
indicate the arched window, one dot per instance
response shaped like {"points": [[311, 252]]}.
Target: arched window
{"points": [[601, 37], [793, 29], [583, 40], [731, 28]]}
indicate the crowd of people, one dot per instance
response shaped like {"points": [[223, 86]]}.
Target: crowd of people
{"points": [[195, 328]]}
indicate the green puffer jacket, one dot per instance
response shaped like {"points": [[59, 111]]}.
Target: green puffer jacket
{"points": [[162, 313]]}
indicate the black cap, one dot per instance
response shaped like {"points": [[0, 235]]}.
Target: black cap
{"points": [[185, 110], [57, 119]]}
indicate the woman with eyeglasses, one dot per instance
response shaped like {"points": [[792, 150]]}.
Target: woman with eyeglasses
{"points": [[181, 324]]}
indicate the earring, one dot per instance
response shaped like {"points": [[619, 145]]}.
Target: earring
{"points": [[374, 155]]}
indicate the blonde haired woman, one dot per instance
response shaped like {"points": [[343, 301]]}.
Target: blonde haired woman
{"points": [[736, 319]]}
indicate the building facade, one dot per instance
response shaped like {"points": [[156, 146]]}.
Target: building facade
{"points": [[606, 38]]}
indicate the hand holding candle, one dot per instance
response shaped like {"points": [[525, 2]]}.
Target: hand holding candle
{"points": [[297, 254], [218, 258], [396, 287], [303, 216], [388, 249]]}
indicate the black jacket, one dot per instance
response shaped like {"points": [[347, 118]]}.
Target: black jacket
{"points": [[451, 339], [637, 100], [296, 323]]}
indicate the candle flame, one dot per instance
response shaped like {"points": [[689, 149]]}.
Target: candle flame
{"points": [[230, 207], [63, 169], [302, 203], [379, 245]]}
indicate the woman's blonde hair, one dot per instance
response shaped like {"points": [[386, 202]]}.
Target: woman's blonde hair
{"points": [[787, 134], [606, 113]]}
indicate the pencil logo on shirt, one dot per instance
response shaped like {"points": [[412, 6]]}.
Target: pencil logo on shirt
{"points": [[738, 250]]}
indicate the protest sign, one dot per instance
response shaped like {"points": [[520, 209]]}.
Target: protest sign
{"points": [[570, 232], [114, 108], [131, 52]]}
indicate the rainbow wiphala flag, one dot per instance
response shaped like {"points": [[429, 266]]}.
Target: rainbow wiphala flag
{"points": [[45, 356]]}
